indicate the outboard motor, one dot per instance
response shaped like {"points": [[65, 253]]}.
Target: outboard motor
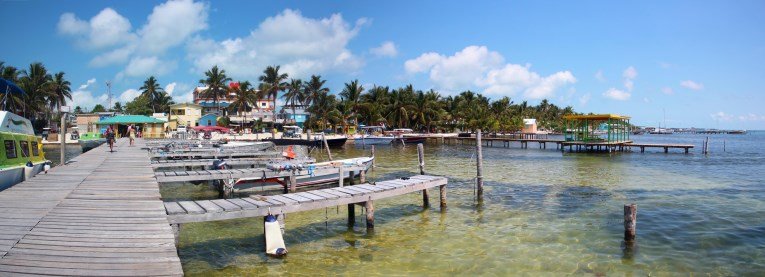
{"points": [[46, 167], [219, 164], [274, 241], [29, 170]]}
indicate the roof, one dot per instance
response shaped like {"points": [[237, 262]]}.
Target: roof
{"points": [[185, 105], [14, 123], [128, 119], [595, 116]]}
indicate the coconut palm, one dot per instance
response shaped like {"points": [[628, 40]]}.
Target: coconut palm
{"points": [[245, 98], [352, 94], [164, 101], [152, 91], [276, 83], [35, 81], [313, 88], [294, 94], [323, 108], [61, 91], [400, 106], [15, 101], [215, 81]]}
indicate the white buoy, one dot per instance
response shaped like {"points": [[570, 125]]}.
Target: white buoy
{"points": [[46, 167], [274, 241], [29, 171]]}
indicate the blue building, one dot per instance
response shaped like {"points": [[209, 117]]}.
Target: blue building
{"points": [[208, 120]]}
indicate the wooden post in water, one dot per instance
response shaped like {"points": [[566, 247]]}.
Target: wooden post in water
{"points": [[62, 133], [340, 176], [370, 207], [293, 182], [479, 167], [630, 222], [362, 176], [373, 156], [421, 160], [324, 140]]}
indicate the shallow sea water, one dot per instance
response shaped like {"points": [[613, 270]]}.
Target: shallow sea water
{"points": [[544, 213]]}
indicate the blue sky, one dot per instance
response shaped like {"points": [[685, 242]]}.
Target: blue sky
{"points": [[700, 61]]}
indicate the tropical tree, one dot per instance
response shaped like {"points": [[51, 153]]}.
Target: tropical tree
{"points": [[36, 82], [117, 107], [78, 110], [313, 88], [294, 94], [323, 108], [61, 91], [400, 106], [352, 94], [139, 105], [152, 91], [98, 108], [163, 102], [215, 80], [244, 99], [275, 82]]}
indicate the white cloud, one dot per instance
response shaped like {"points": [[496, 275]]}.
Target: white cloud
{"points": [[476, 66], [616, 94], [751, 117], [599, 76], [87, 84], [721, 116], [584, 99], [107, 28], [629, 75], [692, 85], [301, 45], [667, 90], [170, 88], [148, 66], [116, 56], [386, 49], [171, 23], [129, 95]]}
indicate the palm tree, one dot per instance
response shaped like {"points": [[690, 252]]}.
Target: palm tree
{"points": [[400, 106], [216, 85], [345, 113], [352, 93], [313, 88], [152, 91], [164, 101], [294, 94], [36, 83], [324, 107], [11, 74], [275, 81], [246, 97]]}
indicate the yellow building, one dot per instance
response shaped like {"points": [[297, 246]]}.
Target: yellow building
{"points": [[184, 114]]}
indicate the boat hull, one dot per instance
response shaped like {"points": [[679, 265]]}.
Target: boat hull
{"points": [[14, 175], [373, 141], [410, 140], [87, 145], [333, 142]]}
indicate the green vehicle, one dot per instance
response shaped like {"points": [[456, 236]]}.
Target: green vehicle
{"points": [[90, 140], [24, 156]]}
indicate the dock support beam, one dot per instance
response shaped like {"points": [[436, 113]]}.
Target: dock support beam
{"points": [[479, 167], [351, 215], [293, 182], [362, 176], [340, 176], [373, 156], [630, 222], [326, 146], [421, 160], [370, 207]]}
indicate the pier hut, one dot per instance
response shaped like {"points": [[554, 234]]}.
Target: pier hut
{"points": [[597, 132], [149, 126]]}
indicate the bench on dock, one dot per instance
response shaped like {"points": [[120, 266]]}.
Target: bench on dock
{"points": [[258, 206]]}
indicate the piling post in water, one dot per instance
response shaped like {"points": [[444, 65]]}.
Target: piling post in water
{"points": [[340, 176], [362, 176], [479, 167], [370, 208], [373, 156], [63, 138], [293, 182], [421, 160], [630, 222], [326, 146], [351, 215]]}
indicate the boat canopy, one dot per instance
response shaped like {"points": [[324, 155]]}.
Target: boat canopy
{"points": [[13, 123], [129, 119], [9, 87]]}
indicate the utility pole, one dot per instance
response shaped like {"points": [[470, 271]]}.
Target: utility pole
{"points": [[109, 94]]}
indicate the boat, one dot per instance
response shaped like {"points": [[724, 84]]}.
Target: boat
{"points": [[406, 136], [306, 174], [293, 135], [372, 135], [24, 156], [661, 131], [90, 140]]}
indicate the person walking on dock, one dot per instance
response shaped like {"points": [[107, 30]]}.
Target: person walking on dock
{"points": [[131, 133], [110, 138]]}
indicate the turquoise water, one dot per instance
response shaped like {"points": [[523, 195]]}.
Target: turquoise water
{"points": [[545, 212]]}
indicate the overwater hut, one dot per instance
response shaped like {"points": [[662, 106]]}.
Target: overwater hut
{"points": [[605, 128], [150, 127]]}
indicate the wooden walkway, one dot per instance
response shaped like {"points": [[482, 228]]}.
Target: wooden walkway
{"points": [[99, 215], [209, 162], [225, 174], [221, 209], [216, 154]]}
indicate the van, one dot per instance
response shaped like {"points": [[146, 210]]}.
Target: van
{"points": [[181, 129]]}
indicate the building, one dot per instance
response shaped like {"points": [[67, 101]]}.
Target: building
{"points": [[187, 114], [148, 126], [87, 122], [209, 119], [586, 128], [529, 126], [209, 105], [297, 117]]}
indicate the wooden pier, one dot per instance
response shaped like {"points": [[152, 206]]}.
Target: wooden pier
{"points": [[101, 214], [255, 206], [225, 174], [573, 146], [208, 162]]}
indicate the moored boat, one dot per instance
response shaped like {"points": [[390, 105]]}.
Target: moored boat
{"points": [[89, 141], [372, 135], [24, 156], [306, 174]]}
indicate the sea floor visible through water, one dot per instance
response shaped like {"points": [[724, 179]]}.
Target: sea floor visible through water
{"points": [[544, 212]]}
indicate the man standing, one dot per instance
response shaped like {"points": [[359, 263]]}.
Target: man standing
{"points": [[110, 138]]}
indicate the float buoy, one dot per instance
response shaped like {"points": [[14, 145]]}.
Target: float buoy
{"points": [[29, 170], [274, 241]]}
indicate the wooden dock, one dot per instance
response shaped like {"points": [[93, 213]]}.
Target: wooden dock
{"points": [[256, 206], [99, 215], [208, 162], [573, 146], [225, 174], [214, 154]]}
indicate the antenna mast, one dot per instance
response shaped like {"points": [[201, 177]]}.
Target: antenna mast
{"points": [[109, 93]]}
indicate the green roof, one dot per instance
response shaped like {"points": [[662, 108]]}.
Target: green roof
{"points": [[129, 119]]}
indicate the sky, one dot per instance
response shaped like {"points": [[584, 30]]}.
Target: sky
{"points": [[674, 63]]}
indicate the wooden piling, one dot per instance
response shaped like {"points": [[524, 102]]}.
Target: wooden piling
{"points": [[479, 167], [373, 156], [326, 146], [421, 160], [62, 133], [293, 182], [362, 176], [340, 176], [351, 215], [630, 222], [370, 209]]}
